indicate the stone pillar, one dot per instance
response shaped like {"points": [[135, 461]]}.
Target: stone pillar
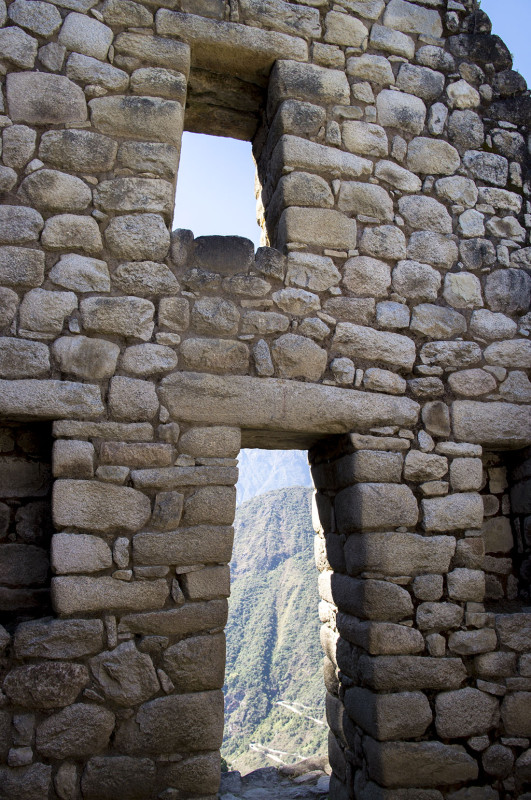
{"points": [[400, 549]]}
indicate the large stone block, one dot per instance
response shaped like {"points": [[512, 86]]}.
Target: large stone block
{"points": [[215, 355], [122, 316], [213, 442], [322, 227], [359, 342], [105, 778], [409, 18], [308, 82], [47, 399], [516, 714], [86, 358], [91, 505], [50, 685], [368, 599], [394, 764], [375, 506], [280, 405], [196, 664], [364, 198], [32, 782], [78, 150], [465, 712], [20, 358], [73, 638], [79, 552], [454, 512], [189, 618], [498, 426], [389, 673], [399, 110], [124, 675], [132, 400], [76, 732], [514, 631], [44, 99], [152, 118], [397, 553], [403, 715], [187, 546], [21, 267], [380, 638], [207, 583], [86, 595]]}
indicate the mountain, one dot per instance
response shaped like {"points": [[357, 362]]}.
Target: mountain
{"points": [[274, 691], [263, 470]]}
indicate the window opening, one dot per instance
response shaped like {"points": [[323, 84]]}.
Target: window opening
{"points": [[274, 692], [216, 188]]}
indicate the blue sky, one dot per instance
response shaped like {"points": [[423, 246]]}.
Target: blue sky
{"points": [[215, 190]]}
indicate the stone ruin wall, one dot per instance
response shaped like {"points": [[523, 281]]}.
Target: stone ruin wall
{"points": [[388, 332]]}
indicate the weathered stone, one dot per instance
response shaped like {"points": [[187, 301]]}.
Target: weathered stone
{"points": [[187, 619], [126, 676], [407, 17], [78, 150], [402, 715], [152, 118], [513, 353], [312, 272], [366, 276], [495, 425], [44, 312], [488, 326], [90, 505], [86, 594], [210, 505], [207, 583], [368, 599], [79, 552], [462, 95], [376, 69], [138, 237], [132, 400], [384, 241], [365, 138], [392, 315], [41, 18], [375, 506], [432, 156], [466, 585], [392, 41], [50, 685], [23, 564], [454, 512], [81, 274], [437, 321], [508, 291], [200, 726], [438, 616], [362, 198], [96, 73], [451, 354], [344, 30], [196, 664], [160, 82], [383, 380], [85, 34], [75, 732], [424, 466], [462, 290], [160, 159], [515, 712], [18, 145], [457, 190], [122, 316], [18, 47], [41, 98], [420, 81], [358, 342], [322, 227], [301, 154], [67, 231], [394, 553], [91, 359], [469, 643], [514, 631], [433, 763], [488, 167], [103, 777], [309, 82], [399, 110], [425, 213], [429, 247], [23, 359], [471, 382], [368, 465], [215, 315], [31, 782], [465, 712], [416, 281], [215, 355], [19, 224]]}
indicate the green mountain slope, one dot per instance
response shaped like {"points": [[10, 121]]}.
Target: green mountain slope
{"points": [[273, 650]]}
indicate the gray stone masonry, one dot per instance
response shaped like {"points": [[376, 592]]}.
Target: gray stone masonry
{"points": [[383, 325]]}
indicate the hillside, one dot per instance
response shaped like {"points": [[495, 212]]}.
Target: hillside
{"points": [[274, 687]]}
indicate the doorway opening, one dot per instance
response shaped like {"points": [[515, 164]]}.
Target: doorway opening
{"points": [[274, 692]]}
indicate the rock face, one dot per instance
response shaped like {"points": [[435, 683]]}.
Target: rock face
{"points": [[385, 327]]}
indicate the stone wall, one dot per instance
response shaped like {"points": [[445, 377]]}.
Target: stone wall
{"points": [[384, 325]]}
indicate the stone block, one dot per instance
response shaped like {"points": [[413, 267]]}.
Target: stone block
{"points": [[73, 638], [208, 583], [8, 306], [198, 772], [152, 118], [430, 247], [424, 83], [86, 358], [407, 17], [78, 553], [380, 638], [454, 512], [134, 194], [420, 466], [302, 154], [73, 459], [368, 599], [96, 73], [469, 643], [70, 231], [167, 510], [472, 383], [494, 425], [514, 631], [365, 138], [90, 505], [399, 110], [78, 150], [51, 685], [21, 478], [138, 237], [364, 198], [307, 82], [215, 355], [350, 32], [81, 274], [160, 159], [44, 312], [42, 19], [425, 213], [104, 778], [433, 764], [403, 715], [465, 712], [516, 714], [84, 34], [211, 505], [187, 619], [383, 241], [427, 156], [428, 587], [214, 315], [132, 400], [189, 546], [466, 474], [298, 357], [20, 358], [359, 342], [76, 732], [44, 99], [33, 782], [368, 466], [19, 225], [159, 82], [375, 69], [439, 616], [316, 273], [200, 726], [316, 226], [174, 313], [51, 190], [392, 41], [196, 664], [214, 442], [122, 316], [375, 506], [391, 673], [86, 595], [124, 675], [397, 553]]}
